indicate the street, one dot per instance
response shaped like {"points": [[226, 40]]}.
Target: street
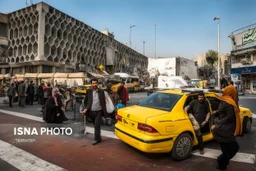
{"points": [[75, 152]]}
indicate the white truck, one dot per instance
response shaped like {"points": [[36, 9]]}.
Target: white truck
{"points": [[166, 82]]}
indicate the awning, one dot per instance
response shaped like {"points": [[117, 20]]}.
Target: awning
{"points": [[76, 75], [45, 75], [60, 75], [96, 75], [19, 76], [104, 73], [30, 75], [7, 76], [46, 80]]}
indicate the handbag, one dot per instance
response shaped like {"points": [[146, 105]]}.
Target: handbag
{"points": [[109, 104]]}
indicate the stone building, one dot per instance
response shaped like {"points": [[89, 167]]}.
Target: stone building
{"points": [[243, 57], [224, 62], [40, 38]]}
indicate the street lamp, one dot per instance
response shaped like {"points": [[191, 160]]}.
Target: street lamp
{"points": [[144, 47], [155, 40], [131, 35], [218, 18]]}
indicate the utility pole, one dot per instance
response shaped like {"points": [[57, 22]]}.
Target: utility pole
{"points": [[218, 18], [155, 40], [131, 35], [144, 47]]}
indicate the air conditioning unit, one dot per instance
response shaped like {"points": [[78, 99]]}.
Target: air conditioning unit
{"points": [[246, 61]]}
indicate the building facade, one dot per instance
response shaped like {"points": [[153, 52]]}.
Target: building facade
{"points": [[225, 64], [42, 39], [174, 66], [243, 57]]}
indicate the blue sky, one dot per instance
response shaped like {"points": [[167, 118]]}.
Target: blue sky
{"points": [[183, 27]]}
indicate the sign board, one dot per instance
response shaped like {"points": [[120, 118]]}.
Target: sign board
{"points": [[162, 66], [244, 39]]}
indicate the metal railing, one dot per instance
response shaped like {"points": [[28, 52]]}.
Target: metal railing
{"points": [[243, 29]]}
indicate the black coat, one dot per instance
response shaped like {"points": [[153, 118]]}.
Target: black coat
{"points": [[225, 123], [88, 100], [51, 110], [31, 89], [40, 90]]}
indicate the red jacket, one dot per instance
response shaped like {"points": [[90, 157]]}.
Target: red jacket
{"points": [[123, 94]]}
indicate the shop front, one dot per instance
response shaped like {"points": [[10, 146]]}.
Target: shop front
{"points": [[247, 77]]}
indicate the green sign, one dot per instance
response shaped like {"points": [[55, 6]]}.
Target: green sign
{"points": [[249, 37]]}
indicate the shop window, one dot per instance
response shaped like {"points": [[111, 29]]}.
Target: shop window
{"points": [[246, 81], [47, 69]]}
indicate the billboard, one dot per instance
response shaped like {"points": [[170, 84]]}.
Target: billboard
{"points": [[244, 39], [162, 66]]}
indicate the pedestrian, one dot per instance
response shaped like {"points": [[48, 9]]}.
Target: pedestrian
{"points": [[68, 99], [40, 93], [237, 97], [123, 93], [26, 94], [199, 115], [52, 112], [47, 92], [223, 82], [11, 92], [21, 91], [227, 126], [30, 93], [95, 107]]}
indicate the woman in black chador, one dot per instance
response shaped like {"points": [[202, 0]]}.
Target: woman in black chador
{"points": [[53, 112]]}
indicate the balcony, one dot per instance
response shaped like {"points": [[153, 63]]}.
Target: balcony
{"points": [[246, 61]]}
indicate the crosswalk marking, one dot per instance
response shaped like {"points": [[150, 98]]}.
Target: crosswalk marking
{"points": [[239, 157], [23, 160], [253, 115], [209, 153]]}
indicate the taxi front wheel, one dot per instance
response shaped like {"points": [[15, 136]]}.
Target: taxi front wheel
{"points": [[247, 125], [182, 147]]}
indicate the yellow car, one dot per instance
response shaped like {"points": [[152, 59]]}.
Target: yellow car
{"points": [[82, 89], [159, 124]]}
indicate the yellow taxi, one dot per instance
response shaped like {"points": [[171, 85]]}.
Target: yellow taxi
{"points": [[82, 89], [159, 124]]}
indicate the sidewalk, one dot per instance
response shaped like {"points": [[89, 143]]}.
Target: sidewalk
{"points": [[76, 120]]}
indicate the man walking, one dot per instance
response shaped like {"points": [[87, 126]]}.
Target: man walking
{"points": [[123, 94], [30, 93], [11, 93], [199, 117], [95, 106], [21, 91], [40, 93]]}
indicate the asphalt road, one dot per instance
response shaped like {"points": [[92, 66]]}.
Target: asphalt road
{"points": [[247, 143]]}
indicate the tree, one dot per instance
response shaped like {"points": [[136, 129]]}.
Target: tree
{"points": [[211, 57]]}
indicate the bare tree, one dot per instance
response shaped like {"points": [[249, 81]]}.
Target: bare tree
{"points": [[211, 57]]}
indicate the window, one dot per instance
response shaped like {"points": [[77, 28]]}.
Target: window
{"points": [[135, 80], [3, 30], [161, 101], [214, 103], [47, 69]]}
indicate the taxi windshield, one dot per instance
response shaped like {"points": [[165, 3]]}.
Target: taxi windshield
{"points": [[161, 101]]}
